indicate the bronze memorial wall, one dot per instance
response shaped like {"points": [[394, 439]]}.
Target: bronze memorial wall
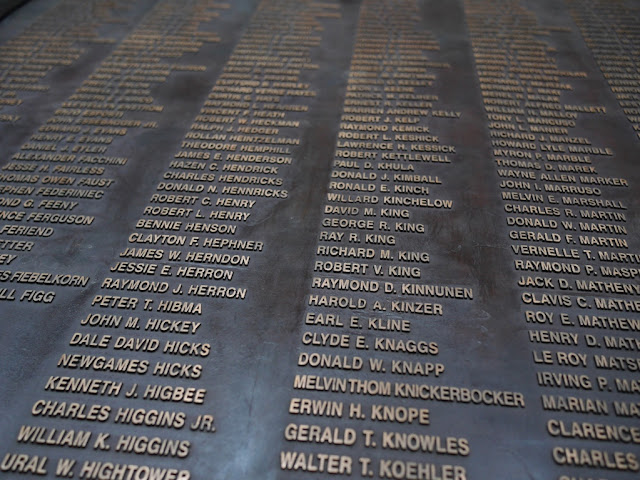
{"points": [[308, 239]]}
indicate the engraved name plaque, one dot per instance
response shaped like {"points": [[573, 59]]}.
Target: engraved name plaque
{"points": [[313, 239]]}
